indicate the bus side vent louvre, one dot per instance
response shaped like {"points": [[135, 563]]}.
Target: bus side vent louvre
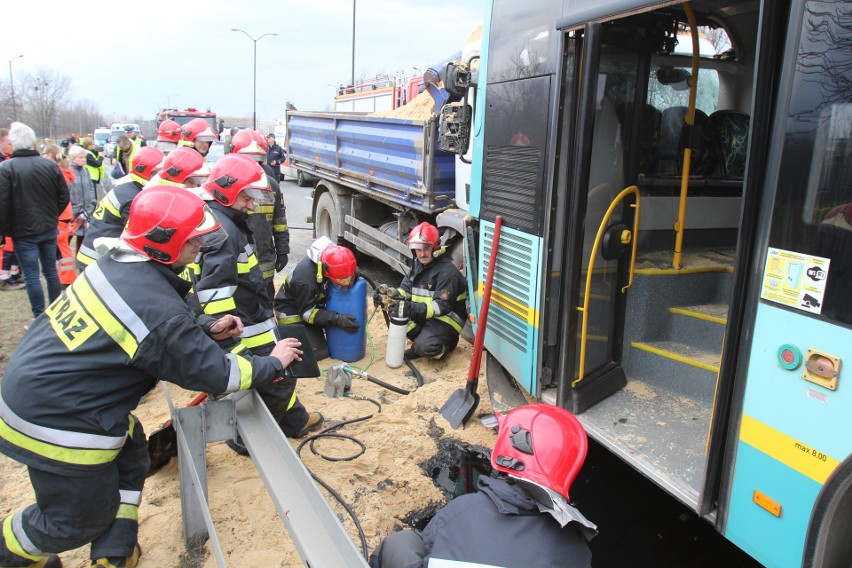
{"points": [[511, 187]]}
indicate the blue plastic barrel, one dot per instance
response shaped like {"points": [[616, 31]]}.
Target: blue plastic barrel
{"points": [[350, 300]]}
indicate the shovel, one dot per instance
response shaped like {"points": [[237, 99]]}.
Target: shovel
{"points": [[163, 444], [460, 406]]}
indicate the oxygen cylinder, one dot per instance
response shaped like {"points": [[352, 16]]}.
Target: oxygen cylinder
{"points": [[395, 350], [350, 300]]}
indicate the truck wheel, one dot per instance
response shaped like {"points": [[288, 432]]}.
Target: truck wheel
{"points": [[302, 179], [326, 223]]}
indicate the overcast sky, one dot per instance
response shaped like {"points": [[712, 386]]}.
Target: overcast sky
{"points": [[134, 57]]}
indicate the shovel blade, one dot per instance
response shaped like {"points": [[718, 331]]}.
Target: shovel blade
{"points": [[460, 406], [162, 447]]}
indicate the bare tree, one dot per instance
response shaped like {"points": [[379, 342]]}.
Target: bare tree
{"points": [[43, 94]]}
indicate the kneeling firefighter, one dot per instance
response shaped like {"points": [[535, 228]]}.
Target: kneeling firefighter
{"points": [[432, 295], [69, 389], [303, 296]]}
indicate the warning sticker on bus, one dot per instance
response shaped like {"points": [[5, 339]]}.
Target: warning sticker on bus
{"points": [[795, 279]]}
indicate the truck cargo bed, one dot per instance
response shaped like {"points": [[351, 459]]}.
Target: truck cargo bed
{"points": [[394, 160]]}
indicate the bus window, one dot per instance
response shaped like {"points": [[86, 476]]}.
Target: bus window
{"points": [[523, 41], [813, 203]]}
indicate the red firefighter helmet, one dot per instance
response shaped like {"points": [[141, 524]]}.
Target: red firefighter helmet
{"points": [[169, 131], [196, 130], [163, 219], [422, 236], [182, 164], [338, 264], [249, 143], [542, 444], [234, 173], [145, 162]]}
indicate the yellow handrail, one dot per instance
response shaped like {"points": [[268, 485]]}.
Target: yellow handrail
{"points": [[589, 273], [687, 151]]}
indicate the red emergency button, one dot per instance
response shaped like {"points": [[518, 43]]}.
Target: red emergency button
{"points": [[789, 356]]}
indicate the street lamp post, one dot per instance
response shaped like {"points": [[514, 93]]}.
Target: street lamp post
{"points": [[254, 78], [168, 100], [12, 88]]}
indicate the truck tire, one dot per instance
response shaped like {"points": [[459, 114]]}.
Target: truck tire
{"points": [[302, 179], [326, 223]]}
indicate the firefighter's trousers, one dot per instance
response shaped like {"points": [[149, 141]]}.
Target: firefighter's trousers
{"points": [[71, 511]]}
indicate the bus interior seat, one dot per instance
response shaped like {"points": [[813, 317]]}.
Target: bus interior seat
{"points": [[674, 138], [731, 129], [649, 140]]}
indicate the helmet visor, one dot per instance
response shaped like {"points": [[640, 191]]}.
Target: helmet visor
{"points": [[419, 246], [209, 230], [260, 191]]}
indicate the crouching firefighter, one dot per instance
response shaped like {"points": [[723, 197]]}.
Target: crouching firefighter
{"points": [[303, 297], [432, 295], [89, 359], [229, 281]]}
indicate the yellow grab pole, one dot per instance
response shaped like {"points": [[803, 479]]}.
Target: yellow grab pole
{"points": [[687, 152]]}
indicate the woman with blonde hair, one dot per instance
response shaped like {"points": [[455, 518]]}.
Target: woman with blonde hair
{"points": [[65, 256]]}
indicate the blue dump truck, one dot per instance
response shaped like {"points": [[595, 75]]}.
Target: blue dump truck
{"points": [[375, 178]]}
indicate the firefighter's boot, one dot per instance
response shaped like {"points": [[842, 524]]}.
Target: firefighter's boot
{"points": [[315, 420], [126, 562]]}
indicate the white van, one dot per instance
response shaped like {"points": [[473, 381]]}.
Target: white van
{"points": [[101, 137]]}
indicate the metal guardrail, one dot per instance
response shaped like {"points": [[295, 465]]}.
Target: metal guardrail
{"points": [[313, 526]]}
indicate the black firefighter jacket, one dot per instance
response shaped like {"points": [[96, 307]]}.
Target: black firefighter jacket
{"points": [[109, 218], [302, 297], [268, 225], [441, 287], [230, 281], [33, 193], [500, 525], [85, 363]]}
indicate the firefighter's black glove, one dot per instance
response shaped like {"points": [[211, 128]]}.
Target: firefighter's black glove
{"points": [[281, 262], [400, 310], [347, 323], [418, 311], [378, 298]]}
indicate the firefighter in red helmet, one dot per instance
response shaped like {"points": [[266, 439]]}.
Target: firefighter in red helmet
{"points": [[227, 280], [168, 136], [302, 297], [538, 453], [113, 210], [432, 296], [89, 359], [198, 134], [268, 224]]}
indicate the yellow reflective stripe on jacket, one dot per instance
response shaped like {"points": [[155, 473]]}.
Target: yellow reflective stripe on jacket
{"points": [[267, 210], [279, 228], [239, 376], [289, 319], [258, 334], [11, 539], [86, 255], [110, 203], [246, 260], [74, 456], [450, 321], [86, 295], [258, 340], [220, 306]]}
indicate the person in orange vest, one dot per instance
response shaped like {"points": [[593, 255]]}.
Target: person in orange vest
{"points": [[65, 263]]}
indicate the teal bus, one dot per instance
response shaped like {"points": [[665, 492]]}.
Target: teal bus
{"points": [[675, 261]]}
